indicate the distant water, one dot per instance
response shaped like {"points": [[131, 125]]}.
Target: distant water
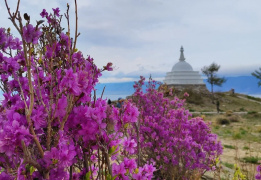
{"points": [[113, 97]]}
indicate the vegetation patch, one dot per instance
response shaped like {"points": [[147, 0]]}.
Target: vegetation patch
{"points": [[228, 165], [229, 146], [251, 159], [237, 135], [233, 118], [194, 97], [254, 98], [246, 148], [251, 112]]}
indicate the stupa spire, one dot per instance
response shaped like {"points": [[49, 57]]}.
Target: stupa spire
{"points": [[182, 58]]}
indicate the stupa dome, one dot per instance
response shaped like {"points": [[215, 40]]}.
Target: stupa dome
{"points": [[182, 66]]}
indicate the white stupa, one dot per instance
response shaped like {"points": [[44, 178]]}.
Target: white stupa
{"points": [[182, 74]]}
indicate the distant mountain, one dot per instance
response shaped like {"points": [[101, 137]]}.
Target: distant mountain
{"points": [[241, 84]]}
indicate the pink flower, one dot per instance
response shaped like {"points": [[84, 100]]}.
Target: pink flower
{"points": [[70, 82], [31, 34], [130, 164], [56, 11], [108, 67], [129, 145], [44, 13], [186, 94], [118, 169]]}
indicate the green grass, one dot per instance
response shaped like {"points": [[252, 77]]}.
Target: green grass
{"points": [[229, 146], [202, 103], [251, 112], [228, 165], [242, 109], [237, 135], [246, 148], [254, 98], [251, 159], [243, 132]]}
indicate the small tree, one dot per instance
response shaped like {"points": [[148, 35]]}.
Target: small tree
{"points": [[257, 74], [213, 79]]}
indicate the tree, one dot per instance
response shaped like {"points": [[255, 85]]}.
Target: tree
{"points": [[210, 71], [257, 74]]}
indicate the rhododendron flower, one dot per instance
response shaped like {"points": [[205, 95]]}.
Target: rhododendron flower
{"points": [[129, 145], [3, 38], [39, 118], [258, 175], [56, 11], [130, 164], [44, 13], [16, 44], [70, 82], [31, 34], [186, 94], [118, 169], [108, 67]]}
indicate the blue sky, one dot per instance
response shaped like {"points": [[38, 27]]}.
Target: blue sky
{"points": [[142, 37]]}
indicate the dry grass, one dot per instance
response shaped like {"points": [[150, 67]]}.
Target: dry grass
{"points": [[241, 140], [227, 103]]}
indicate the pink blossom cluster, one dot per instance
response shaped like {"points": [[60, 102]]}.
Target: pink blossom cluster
{"points": [[51, 127], [178, 144]]}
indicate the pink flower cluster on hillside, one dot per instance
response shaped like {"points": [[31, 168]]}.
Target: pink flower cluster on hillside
{"points": [[170, 137]]}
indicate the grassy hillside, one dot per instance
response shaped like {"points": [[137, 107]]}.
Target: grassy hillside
{"points": [[240, 134], [235, 103]]}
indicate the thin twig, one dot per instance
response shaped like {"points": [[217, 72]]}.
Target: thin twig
{"points": [[76, 26], [103, 91]]}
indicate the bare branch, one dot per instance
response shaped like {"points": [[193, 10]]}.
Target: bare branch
{"points": [[76, 26]]}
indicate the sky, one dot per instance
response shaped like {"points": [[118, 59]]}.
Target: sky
{"points": [[142, 37]]}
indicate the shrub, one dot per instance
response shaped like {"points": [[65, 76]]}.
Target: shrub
{"points": [[178, 146], [50, 125], [229, 113], [223, 121], [233, 118]]}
